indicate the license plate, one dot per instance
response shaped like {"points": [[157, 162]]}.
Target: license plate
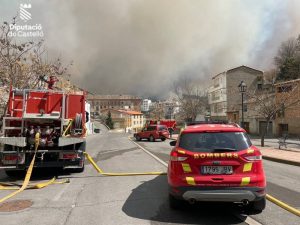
{"points": [[216, 169]]}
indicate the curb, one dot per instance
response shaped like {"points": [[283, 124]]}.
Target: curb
{"points": [[285, 161]]}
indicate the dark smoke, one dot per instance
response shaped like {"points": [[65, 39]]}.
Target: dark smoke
{"points": [[141, 47]]}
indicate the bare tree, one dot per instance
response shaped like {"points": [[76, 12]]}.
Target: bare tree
{"points": [[192, 99], [268, 105], [22, 64], [157, 113]]}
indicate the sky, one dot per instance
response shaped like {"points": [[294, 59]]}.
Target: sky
{"points": [[142, 47]]}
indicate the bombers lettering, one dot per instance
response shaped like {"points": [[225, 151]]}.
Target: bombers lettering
{"points": [[215, 155]]}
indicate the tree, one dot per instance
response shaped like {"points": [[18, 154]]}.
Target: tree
{"points": [[192, 101], [268, 105], [109, 121], [22, 64], [288, 60]]}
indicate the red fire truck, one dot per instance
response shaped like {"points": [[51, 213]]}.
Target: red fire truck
{"points": [[171, 124], [60, 120]]}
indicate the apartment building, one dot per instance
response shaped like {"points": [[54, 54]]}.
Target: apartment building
{"points": [[146, 105], [126, 119], [224, 97], [288, 120], [101, 103]]}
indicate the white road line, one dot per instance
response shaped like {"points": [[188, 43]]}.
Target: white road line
{"points": [[59, 194], [248, 220], [251, 221], [149, 153]]}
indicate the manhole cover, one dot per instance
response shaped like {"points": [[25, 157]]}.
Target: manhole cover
{"points": [[15, 205]]}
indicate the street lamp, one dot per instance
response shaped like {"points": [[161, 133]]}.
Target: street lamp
{"points": [[242, 88]]}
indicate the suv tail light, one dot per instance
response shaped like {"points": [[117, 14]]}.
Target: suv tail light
{"points": [[174, 157]]}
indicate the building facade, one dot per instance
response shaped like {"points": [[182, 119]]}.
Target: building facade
{"points": [[288, 120], [126, 119], [146, 105], [225, 99], [101, 103]]}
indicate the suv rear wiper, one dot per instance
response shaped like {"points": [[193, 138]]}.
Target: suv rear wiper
{"points": [[224, 149]]}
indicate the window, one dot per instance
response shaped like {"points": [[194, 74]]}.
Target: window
{"points": [[281, 112], [214, 142], [234, 116], [150, 128], [245, 107], [216, 82], [259, 86], [216, 95], [284, 88], [283, 128]]}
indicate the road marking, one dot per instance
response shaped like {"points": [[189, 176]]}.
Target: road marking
{"points": [[248, 220], [149, 153]]}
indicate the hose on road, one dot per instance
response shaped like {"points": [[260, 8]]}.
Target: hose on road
{"points": [[283, 205], [25, 185], [119, 174]]}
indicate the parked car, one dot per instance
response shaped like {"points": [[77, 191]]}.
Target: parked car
{"points": [[216, 163], [153, 132]]}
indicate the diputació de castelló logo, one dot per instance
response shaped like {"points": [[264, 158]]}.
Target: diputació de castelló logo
{"points": [[25, 15], [26, 30]]}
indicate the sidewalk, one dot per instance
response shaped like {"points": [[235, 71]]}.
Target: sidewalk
{"points": [[279, 155], [271, 151]]}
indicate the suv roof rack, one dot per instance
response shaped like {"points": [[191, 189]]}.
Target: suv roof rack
{"points": [[212, 122], [207, 122]]}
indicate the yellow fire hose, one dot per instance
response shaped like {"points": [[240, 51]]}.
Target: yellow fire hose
{"points": [[283, 205], [119, 174], [27, 177]]}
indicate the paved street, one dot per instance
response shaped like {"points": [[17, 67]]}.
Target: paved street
{"points": [[93, 199]]}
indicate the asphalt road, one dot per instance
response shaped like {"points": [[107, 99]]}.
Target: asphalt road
{"points": [[90, 198]]}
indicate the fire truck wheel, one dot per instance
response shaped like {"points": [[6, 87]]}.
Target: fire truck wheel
{"points": [[163, 139]]}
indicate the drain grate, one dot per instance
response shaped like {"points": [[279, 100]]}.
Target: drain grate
{"points": [[15, 205]]}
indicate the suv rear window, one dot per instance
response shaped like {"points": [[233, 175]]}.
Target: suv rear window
{"points": [[212, 142]]}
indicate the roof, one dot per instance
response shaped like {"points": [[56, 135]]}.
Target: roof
{"points": [[287, 82], [130, 112], [113, 97], [235, 68], [213, 127]]}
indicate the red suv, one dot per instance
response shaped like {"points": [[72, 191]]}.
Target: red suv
{"points": [[153, 132], [216, 163]]}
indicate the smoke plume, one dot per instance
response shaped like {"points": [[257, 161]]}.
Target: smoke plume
{"points": [[142, 46]]}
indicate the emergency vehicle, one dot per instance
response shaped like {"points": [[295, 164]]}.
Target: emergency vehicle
{"points": [[216, 163], [170, 124], [60, 120]]}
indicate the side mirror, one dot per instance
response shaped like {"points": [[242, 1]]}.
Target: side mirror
{"points": [[173, 143]]}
